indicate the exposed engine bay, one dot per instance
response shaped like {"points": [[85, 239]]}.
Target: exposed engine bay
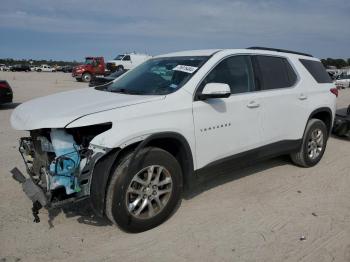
{"points": [[59, 163]]}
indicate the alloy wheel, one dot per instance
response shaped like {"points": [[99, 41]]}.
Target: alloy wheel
{"points": [[315, 144], [149, 191]]}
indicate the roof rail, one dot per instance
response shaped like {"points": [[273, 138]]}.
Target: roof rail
{"points": [[278, 50]]}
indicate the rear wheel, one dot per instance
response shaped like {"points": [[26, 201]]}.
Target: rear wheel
{"points": [[144, 195], [86, 77], [120, 68], [313, 145]]}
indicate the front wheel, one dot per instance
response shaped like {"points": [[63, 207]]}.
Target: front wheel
{"points": [[120, 68], [313, 145], [86, 77], [143, 193]]}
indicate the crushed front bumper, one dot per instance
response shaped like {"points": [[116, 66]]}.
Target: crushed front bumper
{"points": [[36, 185]]}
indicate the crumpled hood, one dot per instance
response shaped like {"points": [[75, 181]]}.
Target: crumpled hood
{"points": [[58, 110]]}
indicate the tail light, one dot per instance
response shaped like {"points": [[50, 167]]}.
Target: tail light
{"points": [[4, 85], [334, 91]]}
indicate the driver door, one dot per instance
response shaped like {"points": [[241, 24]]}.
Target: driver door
{"points": [[227, 126]]}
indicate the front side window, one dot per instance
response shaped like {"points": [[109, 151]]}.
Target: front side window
{"points": [[158, 76], [119, 57], [126, 58], [276, 72], [89, 61], [236, 71]]}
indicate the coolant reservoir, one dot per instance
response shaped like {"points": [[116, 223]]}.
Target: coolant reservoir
{"points": [[67, 160]]}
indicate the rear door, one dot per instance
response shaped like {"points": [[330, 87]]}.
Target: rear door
{"points": [[227, 126], [283, 102]]}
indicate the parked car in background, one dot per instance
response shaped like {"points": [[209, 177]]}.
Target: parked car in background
{"points": [[343, 81], [341, 125], [33, 68], [67, 69], [101, 80], [127, 61], [20, 68], [92, 66], [45, 68], [6, 94], [133, 145], [5, 68]]}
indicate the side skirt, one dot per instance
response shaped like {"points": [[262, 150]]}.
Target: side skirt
{"points": [[250, 157]]}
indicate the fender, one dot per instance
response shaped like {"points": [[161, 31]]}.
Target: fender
{"points": [[106, 165]]}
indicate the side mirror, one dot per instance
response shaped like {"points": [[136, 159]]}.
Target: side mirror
{"points": [[215, 90]]}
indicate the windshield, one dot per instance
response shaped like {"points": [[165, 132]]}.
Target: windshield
{"points": [[159, 76], [119, 57]]}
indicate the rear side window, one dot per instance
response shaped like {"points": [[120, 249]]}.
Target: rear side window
{"points": [[275, 72], [317, 70]]}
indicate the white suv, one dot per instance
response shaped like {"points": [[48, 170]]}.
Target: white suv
{"points": [[131, 146]]}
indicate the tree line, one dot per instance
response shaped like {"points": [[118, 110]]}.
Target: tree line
{"points": [[11, 61], [338, 63]]}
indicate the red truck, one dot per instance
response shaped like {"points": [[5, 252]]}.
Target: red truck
{"points": [[93, 66]]}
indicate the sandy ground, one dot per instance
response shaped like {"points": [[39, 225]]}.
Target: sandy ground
{"points": [[255, 214]]}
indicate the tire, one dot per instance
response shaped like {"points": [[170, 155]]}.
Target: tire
{"points": [[311, 151], [120, 68], [86, 77], [39, 70], [118, 197]]}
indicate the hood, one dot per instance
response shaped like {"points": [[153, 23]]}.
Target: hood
{"points": [[79, 67], [58, 110]]}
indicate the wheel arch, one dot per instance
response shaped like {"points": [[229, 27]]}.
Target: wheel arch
{"points": [[325, 115], [174, 143]]}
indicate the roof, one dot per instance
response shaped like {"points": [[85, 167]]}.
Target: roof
{"points": [[209, 52], [203, 52]]}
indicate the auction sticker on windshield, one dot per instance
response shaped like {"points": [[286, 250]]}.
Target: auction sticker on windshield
{"points": [[185, 68]]}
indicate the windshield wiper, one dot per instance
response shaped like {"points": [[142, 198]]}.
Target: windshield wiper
{"points": [[125, 91]]}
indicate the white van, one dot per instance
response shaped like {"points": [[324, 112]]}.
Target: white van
{"points": [[127, 61]]}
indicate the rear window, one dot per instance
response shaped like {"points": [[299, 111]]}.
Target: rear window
{"points": [[317, 70], [276, 72]]}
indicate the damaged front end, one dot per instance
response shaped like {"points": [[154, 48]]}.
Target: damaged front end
{"points": [[59, 163]]}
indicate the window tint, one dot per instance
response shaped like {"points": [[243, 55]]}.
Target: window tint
{"points": [[317, 70], [276, 72], [126, 58], [236, 71]]}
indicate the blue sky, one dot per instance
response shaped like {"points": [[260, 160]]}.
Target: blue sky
{"points": [[72, 29]]}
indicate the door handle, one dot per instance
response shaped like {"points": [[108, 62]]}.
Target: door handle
{"points": [[302, 97], [253, 104]]}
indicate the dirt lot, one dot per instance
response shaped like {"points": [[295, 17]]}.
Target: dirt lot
{"points": [[255, 214]]}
